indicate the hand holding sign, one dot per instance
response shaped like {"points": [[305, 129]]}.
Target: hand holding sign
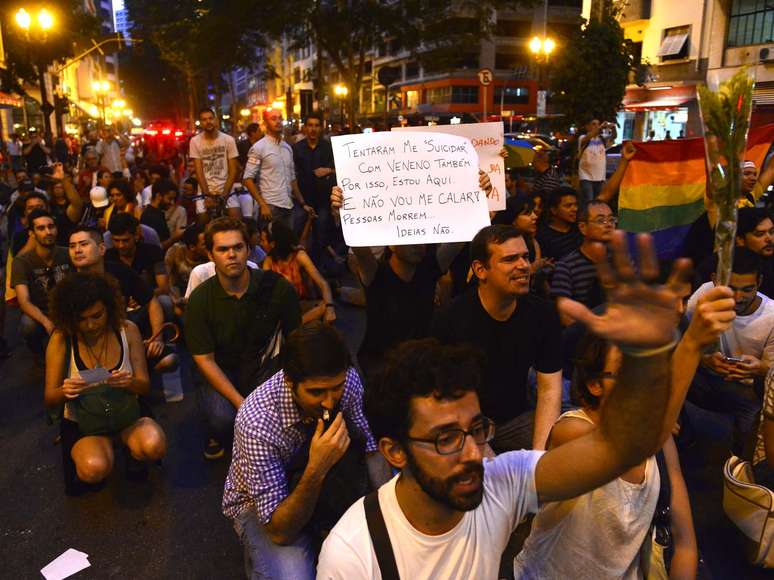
{"points": [[408, 188]]}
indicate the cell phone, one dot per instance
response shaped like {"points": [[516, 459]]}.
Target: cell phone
{"points": [[734, 359], [328, 417]]}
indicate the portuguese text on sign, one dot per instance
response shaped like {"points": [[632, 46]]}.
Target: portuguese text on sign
{"points": [[488, 140], [408, 188]]}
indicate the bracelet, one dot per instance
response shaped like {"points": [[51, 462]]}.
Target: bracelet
{"points": [[648, 352]]}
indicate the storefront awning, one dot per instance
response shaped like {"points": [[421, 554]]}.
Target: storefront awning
{"points": [[664, 104], [8, 101]]}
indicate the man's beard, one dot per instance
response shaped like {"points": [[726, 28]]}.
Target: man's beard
{"points": [[441, 490]]}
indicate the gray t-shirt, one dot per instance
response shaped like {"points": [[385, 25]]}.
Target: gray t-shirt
{"points": [[214, 154], [30, 270]]}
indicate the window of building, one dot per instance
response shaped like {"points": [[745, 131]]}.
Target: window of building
{"points": [[465, 95], [412, 99], [412, 69], [438, 95], [674, 46], [750, 22], [513, 28], [510, 60], [512, 96]]}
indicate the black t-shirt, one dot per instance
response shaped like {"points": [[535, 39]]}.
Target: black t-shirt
{"points": [[532, 336], [148, 261], [555, 244], [316, 190], [132, 286], [36, 158], [155, 218], [398, 310], [64, 226]]}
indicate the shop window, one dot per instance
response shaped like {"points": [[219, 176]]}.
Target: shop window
{"points": [[512, 96], [438, 95], [412, 99], [465, 95]]}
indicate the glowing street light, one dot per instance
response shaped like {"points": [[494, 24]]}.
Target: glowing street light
{"points": [[119, 104], [341, 91], [45, 20], [245, 112], [23, 19], [542, 46]]}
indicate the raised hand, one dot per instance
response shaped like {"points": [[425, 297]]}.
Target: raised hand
{"points": [[713, 315], [639, 314]]}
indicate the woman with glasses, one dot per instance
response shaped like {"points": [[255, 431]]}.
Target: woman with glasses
{"points": [[614, 531], [96, 371]]}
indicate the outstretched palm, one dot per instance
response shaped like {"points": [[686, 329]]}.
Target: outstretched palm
{"points": [[639, 313]]}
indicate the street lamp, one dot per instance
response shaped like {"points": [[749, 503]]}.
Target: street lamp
{"points": [[101, 88], [341, 91], [542, 47], [44, 21]]}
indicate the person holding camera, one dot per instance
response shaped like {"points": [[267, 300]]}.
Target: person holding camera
{"points": [[300, 446], [730, 379], [592, 163]]}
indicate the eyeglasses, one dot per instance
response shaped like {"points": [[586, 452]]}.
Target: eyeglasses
{"points": [[601, 221], [453, 440]]}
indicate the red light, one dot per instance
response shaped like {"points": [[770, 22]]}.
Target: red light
{"points": [[166, 131], [178, 133], [151, 132]]}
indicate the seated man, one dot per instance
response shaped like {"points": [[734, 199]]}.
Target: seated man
{"points": [[449, 514], [233, 326], [181, 259], [575, 276], [34, 275], [763, 456], [153, 214], [729, 379], [560, 235], [23, 240], [280, 504]]}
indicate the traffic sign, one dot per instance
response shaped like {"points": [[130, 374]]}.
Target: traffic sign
{"points": [[485, 77]]}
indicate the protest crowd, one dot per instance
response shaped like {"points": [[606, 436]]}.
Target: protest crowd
{"points": [[516, 408]]}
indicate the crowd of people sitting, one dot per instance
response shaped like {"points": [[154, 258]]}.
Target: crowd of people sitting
{"points": [[538, 369]]}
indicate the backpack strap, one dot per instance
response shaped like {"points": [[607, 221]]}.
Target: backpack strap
{"points": [[385, 556]]}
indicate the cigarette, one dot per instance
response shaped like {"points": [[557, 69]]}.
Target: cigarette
{"points": [[326, 415]]}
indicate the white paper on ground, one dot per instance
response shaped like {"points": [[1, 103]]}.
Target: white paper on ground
{"points": [[488, 140], [69, 563], [408, 188]]}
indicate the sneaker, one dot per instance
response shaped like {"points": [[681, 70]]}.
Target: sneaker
{"points": [[213, 450]]}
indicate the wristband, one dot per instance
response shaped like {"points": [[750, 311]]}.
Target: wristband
{"points": [[648, 352]]}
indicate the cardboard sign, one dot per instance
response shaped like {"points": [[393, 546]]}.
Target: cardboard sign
{"points": [[488, 140], [408, 188]]}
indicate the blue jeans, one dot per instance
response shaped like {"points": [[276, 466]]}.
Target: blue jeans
{"points": [[217, 409], [34, 334], [743, 402], [590, 189], [266, 560], [281, 214]]}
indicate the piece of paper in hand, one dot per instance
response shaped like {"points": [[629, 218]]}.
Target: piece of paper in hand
{"points": [[405, 188], [69, 563], [95, 376]]}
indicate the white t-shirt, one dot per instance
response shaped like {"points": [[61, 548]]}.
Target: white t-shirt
{"points": [[471, 550], [270, 163], [214, 154], [752, 334], [144, 197], [204, 272], [593, 163]]}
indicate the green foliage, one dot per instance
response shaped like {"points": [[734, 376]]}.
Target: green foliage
{"points": [[24, 52], [591, 71]]}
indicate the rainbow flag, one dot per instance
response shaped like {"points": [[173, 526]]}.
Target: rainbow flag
{"points": [[662, 192]]}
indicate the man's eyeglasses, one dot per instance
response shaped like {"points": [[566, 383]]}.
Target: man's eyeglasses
{"points": [[453, 440], [601, 221]]}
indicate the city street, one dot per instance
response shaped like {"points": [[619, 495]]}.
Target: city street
{"points": [[171, 526]]}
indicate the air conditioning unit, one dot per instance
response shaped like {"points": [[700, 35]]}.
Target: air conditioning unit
{"points": [[766, 54]]}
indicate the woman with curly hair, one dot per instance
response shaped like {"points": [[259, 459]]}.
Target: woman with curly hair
{"points": [[96, 370]]}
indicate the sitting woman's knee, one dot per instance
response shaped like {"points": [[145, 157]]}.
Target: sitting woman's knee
{"points": [[93, 468]]}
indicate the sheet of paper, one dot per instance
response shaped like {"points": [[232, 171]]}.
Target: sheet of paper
{"points": [[408, 188], [95, 376], [489, 140], [69, 563]]}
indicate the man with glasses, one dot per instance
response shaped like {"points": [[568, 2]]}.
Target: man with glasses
{"points": [[294, 438], [34, 275], [575, 277], [449, 513], [270, 174]]}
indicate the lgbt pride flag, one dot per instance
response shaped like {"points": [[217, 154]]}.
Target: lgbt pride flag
{"points": [[662, 192]]}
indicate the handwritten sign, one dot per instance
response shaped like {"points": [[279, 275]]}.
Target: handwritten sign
{"points": [[408, 188], [488, 140]]}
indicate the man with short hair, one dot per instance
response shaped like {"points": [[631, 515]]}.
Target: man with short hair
{"points": [[575, 276], [109, 150], [548, 178], [270, 174], [22, 239], [279, 503], [450, 513], [592, 161], [560, 235], [34, 275], [153, 214], [315, 172], [755, 231], [215, 157], [145, 259], [175, 215], [517, 330], [182, 258], [729, 379], [231, 326], [35, 151]]}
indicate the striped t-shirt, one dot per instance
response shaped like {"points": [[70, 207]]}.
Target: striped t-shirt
{"points": [[576, 277]]}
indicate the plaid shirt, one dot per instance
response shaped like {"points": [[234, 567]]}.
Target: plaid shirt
{"points": [[268, 431]]}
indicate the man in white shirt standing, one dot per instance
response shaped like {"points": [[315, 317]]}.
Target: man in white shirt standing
{"points": [[109, 150], [435, 519], [270, 174], [215, 158], [592, 165]]}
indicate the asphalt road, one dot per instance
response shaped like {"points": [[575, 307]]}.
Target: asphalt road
{"points": [[171, 525]]}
